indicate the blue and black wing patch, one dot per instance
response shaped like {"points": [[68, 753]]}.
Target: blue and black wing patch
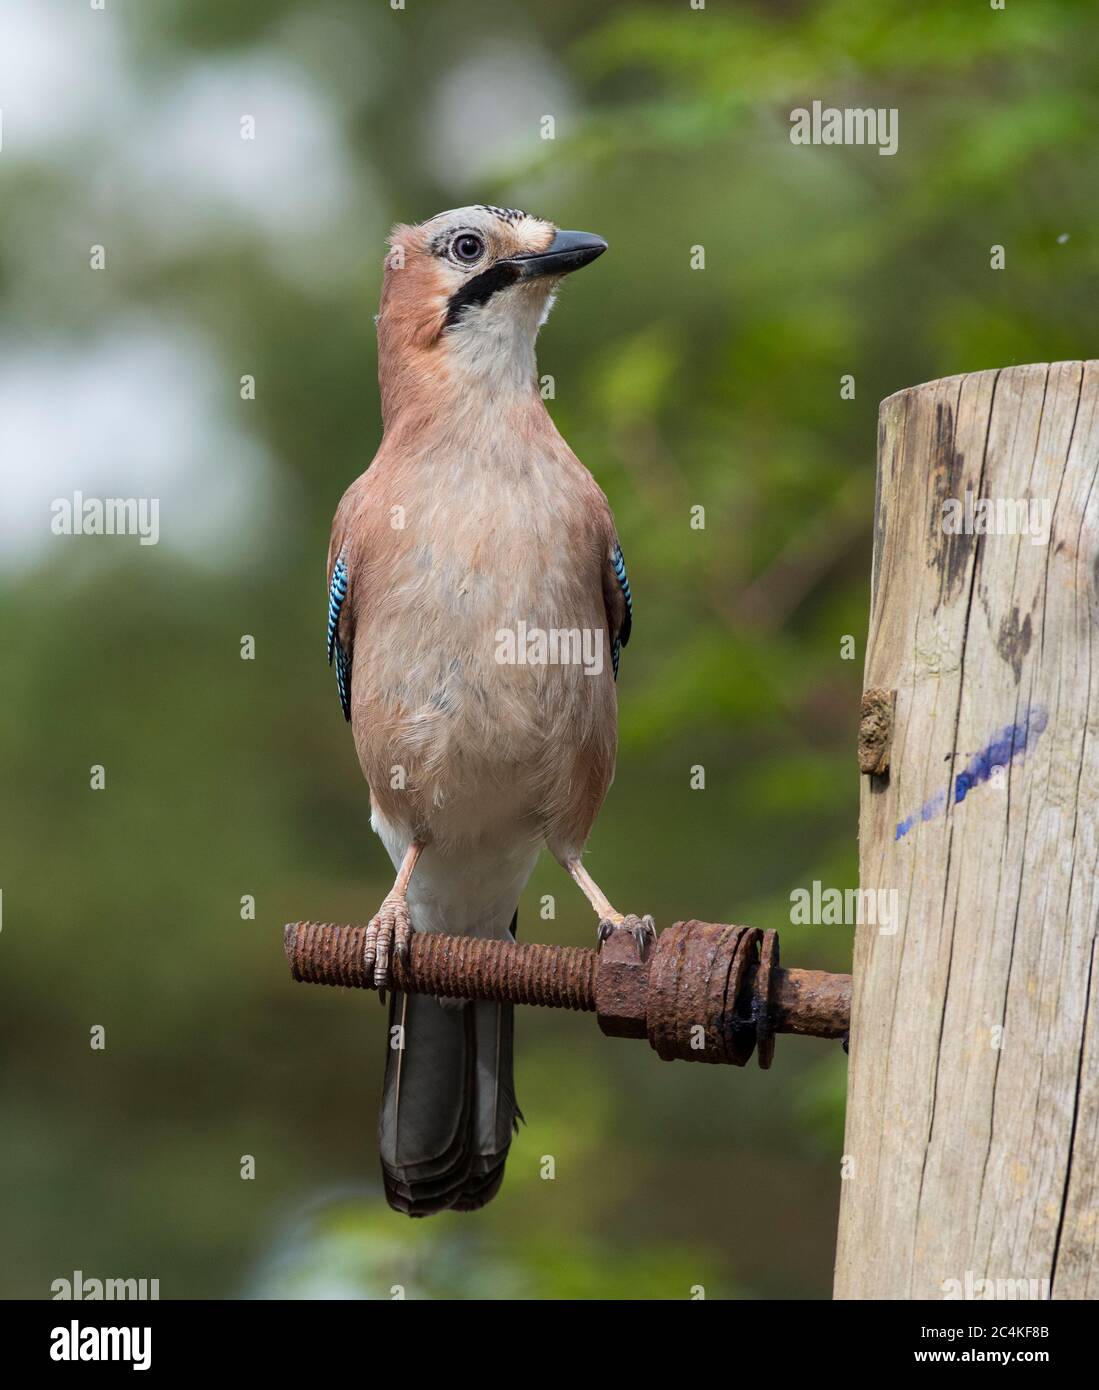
{"points": [[343, 681], [337, 593], [619, 566]]}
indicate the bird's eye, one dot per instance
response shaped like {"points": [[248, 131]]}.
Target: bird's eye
{"points": [[468, 247]]}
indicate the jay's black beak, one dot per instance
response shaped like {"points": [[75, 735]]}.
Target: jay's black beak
{"points": [[567, 251]]}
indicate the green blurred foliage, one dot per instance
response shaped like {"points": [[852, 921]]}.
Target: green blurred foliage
{"points": [[680, 388]]}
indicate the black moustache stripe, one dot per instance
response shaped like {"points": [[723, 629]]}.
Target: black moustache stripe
{"points": [[480, 289]]}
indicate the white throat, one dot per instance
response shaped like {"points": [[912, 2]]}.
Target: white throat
{"points": [[492, 347]]}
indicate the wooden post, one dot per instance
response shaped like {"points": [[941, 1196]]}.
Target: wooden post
{"points": [[972, 1144]]}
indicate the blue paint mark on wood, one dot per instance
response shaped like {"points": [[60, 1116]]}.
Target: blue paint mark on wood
{"points": [[1011, 742]]}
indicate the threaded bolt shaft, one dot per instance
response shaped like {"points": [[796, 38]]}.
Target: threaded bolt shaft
{"points": [[450, 967]]}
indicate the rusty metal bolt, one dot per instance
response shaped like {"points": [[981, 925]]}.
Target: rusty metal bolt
{"points": [[877, 712], [449, 967], [706, 992]]}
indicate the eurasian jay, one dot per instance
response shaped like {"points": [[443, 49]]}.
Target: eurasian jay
{"points": [[473, 541]]}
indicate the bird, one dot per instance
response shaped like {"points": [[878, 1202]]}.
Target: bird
{"points": [[478, 603]]}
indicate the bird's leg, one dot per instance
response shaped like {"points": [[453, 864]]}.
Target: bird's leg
{"points": [[594, 894], [642, 929], [390, 930]]}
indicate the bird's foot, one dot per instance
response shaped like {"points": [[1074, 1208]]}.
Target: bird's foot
{"points": [[642, 929], [389, 934]]}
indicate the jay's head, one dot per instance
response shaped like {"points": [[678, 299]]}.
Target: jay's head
{"points": [[466, 292]]}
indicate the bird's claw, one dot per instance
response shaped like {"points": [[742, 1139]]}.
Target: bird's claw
{"points": [[642, 929], [388, 935], [603, 932]]}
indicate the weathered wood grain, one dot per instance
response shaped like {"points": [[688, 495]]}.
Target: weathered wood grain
{"points": [[973, 1104]]}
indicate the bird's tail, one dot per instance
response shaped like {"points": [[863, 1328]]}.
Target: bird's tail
{"points": [[448, 1103]]}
